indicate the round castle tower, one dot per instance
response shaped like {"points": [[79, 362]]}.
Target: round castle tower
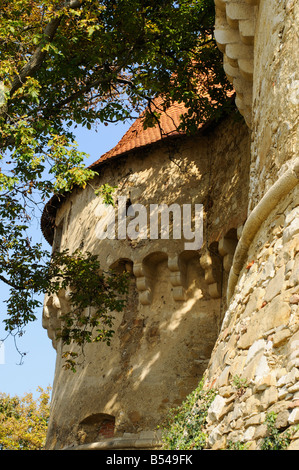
{"points": [[227, 311], [164, 337]]}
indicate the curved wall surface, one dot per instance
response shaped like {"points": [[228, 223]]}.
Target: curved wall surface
{"points": [[164, 338]]}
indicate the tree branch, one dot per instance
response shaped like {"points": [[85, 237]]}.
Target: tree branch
{"points": [[40, 53], [9, 283], [56, 107]]}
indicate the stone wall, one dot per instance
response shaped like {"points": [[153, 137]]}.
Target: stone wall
{"points": [[259, 342], [254, 366]]}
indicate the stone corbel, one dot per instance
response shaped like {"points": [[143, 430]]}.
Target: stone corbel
{"points": [[54, 306], [51, 317], [234, 34], [143, 282], [211, 265], [177, 277], [227, 248]]}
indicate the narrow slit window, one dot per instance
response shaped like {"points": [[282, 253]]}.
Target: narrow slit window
{"points": [[58, 236]]}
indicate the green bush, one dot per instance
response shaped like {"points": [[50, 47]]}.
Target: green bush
{"points": [[275, 440], [184, 428]]}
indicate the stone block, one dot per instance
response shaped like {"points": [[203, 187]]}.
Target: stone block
{"points": [[261, 431], [268, 271], [216, 439], [269, 396], [274, 314], [257, 347], [223, 378], [216, 409], [294, 277], [254, 302], [249, 371], [294, 299], [294, 416], [254, 420], [293, 214], [249, 433], [290, 231], [238, 11], [265, 381], [253, 405], [280, 337], [288, 379], [282, 393], [282, 419], [227, 391], [262, 372], [294, 388], [246, 69], [275, 286], [246, 29]]}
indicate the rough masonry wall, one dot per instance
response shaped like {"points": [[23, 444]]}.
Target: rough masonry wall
{"points": [[259, 342], [255, 364]]}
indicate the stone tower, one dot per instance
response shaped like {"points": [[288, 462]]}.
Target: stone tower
{"points": [[228, 309]]}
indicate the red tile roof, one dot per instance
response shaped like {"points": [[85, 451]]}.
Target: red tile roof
{"points": [[137, 137]]}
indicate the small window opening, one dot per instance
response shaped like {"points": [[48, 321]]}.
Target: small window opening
{"points": [[58, 236], [96, 427]]}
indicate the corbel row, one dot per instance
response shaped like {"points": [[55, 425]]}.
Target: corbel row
{"points": [[234, 34], [144, 273], [211, 264]]}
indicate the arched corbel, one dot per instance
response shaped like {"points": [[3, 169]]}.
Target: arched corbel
{"points": [[211, 264], [178, 276], [227, 247], [144, 277], [54, 306]]}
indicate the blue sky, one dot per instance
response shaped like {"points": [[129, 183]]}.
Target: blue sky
{"points": [[38, 365]]}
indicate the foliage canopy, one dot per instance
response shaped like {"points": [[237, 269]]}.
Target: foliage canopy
{"points": [[24, 421]]}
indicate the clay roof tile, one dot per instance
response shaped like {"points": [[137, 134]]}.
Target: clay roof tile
{"points": [[137, 137]]}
